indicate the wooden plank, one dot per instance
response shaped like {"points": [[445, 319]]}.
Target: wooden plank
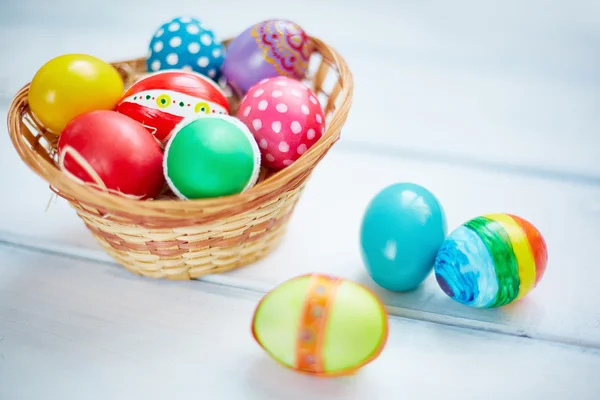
{"points": [[502, 85], [323, 236], [500, 98], [72, 329]]}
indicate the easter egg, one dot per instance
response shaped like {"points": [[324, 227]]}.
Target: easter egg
{"points": [[211, 156], [285, 117], [112, 152], [402, 229], [491, 261], [162, 100], [265, 50], [321, 325], [185, 43], [70, 85]]}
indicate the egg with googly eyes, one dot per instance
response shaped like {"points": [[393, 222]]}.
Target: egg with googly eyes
{"points": [[163, 99], [185, 43]]}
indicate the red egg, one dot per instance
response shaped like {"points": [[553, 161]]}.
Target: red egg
{"points": [[112, 151], [161, 100], [285, 117]]}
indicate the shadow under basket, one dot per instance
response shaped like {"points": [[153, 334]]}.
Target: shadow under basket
{"points": [[185, 239]]}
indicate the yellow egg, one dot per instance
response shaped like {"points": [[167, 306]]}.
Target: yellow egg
{"points": [[321, 325], [70, 85]]}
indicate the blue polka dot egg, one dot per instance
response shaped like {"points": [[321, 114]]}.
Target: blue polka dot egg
{"points": [[185, 43]]}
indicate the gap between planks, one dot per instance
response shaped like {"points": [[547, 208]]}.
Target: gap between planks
{"points": [[445, 158], [522, 170], [257, 290]]}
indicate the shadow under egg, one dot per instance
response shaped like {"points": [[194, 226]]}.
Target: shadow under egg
{"points": [[268, 379]]}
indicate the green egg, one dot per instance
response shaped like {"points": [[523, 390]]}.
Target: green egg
{"points": [[211, 156], [321, 325]]}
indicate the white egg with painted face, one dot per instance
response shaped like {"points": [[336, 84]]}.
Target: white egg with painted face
{"points": [[163, 99]]}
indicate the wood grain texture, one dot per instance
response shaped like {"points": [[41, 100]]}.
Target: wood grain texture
{"points": [[493, 106], [72, 329], [323, 236], [497, 83]]}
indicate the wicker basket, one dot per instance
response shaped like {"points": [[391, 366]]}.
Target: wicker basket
{"points": [[179, 239]]}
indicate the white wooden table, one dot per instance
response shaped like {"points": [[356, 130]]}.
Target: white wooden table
{"points": [[491, 105]]}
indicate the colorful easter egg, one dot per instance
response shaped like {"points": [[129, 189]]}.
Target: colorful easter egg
{"points": [[111, 152], [162, 100], [285, 117], [321, 325], [402, 230], [211, 156], [70, 85], [491, 261], [186, 43], [265, 50]]}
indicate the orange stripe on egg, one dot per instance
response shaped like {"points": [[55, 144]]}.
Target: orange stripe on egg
{"points": [[522, 251], [538, 246], [311, 332]]}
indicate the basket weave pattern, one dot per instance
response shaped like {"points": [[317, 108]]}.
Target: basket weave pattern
{"points": [[185, 239]]}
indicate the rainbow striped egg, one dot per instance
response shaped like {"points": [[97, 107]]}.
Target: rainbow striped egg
{"points": [[321, 325], [491, 261]]}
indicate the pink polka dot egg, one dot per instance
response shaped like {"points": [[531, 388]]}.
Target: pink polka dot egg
{"points": [[285, 117]]}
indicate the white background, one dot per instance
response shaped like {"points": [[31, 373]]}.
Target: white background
{"points": [[494, 106]]}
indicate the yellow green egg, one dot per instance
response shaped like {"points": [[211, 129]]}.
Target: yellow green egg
{"points": [[321, 325]]}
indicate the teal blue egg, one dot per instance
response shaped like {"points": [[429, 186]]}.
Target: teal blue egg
{"points": [[402, 230]]}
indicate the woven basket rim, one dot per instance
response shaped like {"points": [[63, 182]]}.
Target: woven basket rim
{"points": [[114, 204]]}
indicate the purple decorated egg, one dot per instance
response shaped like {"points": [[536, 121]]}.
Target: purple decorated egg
{"points": [[266, 50]]}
